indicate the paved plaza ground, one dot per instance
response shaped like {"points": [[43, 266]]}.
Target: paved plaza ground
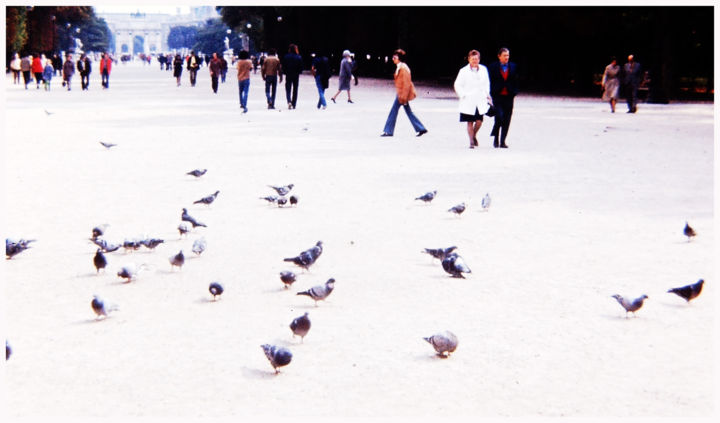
{"points": [[585, 204]]}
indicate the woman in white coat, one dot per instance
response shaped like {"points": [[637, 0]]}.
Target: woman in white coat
{"points": [[472, 85]]}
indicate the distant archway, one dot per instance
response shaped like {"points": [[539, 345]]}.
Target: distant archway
{"points": [[138, 44]]}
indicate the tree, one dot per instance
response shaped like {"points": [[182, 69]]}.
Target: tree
{"points": [[181, 37], [95, 35], [16, 29], [211, 37]]}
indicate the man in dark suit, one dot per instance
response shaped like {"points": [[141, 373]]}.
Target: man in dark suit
{"points": [[503, 88], [632, 77]]}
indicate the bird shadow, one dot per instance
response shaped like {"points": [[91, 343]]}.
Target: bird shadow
{"points": [[280, 289], [88, 275], [206, 300], [257, 373], [89, 321], [619, 317], [431, 357]]}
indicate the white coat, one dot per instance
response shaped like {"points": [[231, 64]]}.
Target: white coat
{"points": [[473, 88]]}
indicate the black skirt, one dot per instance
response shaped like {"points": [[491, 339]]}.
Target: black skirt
{"points": [[471, 118]]}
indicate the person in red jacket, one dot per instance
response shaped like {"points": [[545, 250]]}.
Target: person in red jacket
{"points": [[37, 69], [105, 67]]}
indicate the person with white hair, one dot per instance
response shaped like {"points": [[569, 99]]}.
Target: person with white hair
{"points": [[345, 76]]}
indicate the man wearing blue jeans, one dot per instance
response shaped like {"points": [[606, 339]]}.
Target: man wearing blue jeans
{"points": [[244, 66], [270, 71], [321, 71]]}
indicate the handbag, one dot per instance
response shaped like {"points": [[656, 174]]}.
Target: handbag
{"points": [[491, 111]]}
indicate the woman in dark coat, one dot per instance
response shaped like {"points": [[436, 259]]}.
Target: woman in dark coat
{"points": [[177, 68]]}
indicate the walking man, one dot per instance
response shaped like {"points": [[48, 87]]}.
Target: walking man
{"points": [[192, 66], [105, 67], [271, 70], [503, 89], [244, 66], [68, 70], [632, 77], [292, 68], [215, 66]]}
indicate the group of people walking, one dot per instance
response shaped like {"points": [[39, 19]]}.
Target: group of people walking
{"points": [[630, 76], [44, 69]]}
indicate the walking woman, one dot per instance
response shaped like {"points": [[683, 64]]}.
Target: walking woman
{"points": [[611, 83], [405, 92], [345, 76], [177, 68], [472, 85]]}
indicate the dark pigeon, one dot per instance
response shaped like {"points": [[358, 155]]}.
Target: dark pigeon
{"points": [[13, 248], [300, 326], [284, 190], [293, 200], [439, 253], [131, 245], [215, 289], [107, 144], [278, 356], [455, 265], [99, 307], [197, 172], [458, 210], [306, 258], [207, 200], [105, 246], [443, 342], [130, 271], [177, 260], [689, 231], [8, 351], [99, 260], [320, 292], [281, 201], [630, 306], [185, 217], [689, 292], [427, 197], [151, 243], [288, 278]]}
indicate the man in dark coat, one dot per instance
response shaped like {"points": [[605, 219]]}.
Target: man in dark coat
{"points": [[632, 77], [503, 89], [215, 69], [84, 68], [292, 68]]}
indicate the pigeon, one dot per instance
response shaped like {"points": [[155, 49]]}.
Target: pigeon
{"points": [[197, 172], [689, 231], [282, 190], [215, 289], [49, 113], [151, 243], [207, 200], [183, 229], [300, 326], [270, 199], [99, 260], [107, 145], [131, 245], [185, 217], [443, 342], [105, 246], [307, 257], [427, 197], [458, 210], [630, 306], [13, 248], [320, 292], [281, 201], [293, 200], [199, 246], [486, 202], [287, 278], [99, 307], [439, 253], [688, 292], [99, 231], [8, 351], [130, 271], [278, 356], [177, 260], [455, 265]]}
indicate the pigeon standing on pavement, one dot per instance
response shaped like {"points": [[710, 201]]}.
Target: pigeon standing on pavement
{"points": [[278, 356], [197, 172], [427, 197], [689, 231], [199, 246], [306, 258], [177, 260], [207, 200], [458, 210], [486, 202], [99, 307], [281, 201], [300, 326], [444, 343], [455, 265], [130, 271], [107, 145], [293, 200], [215, 289], [105, 246], [183, 229], [13, 248], [151, 243], [270, 199], [185, 217], [8, 351], [283, 190], [439, 253], [99, 231], [288, 278], [630, 306], [99, 260], [319, 292], [688, 292]]}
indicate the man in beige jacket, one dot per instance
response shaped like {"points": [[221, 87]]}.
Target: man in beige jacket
{"points": [[270, 72], [405, 93]]}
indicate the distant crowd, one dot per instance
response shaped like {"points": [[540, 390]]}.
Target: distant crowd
{"points": [[42, 69]]}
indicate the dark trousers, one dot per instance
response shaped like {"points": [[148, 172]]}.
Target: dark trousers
{"points": [[291, 88], [214, 79], [504, 107], [39, 78], [26, 78], [85, 80], [631, 96], [105, 79], [270, 85], [193, 76]]}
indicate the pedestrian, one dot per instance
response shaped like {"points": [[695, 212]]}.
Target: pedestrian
{"points": [[632, 77], [68, 70], [192, 66], [472, 85], [85, 73], [244, 66], [223, 68], [611, 83], [15, 66], [405, 93], [48, 74], [503, 89], [292, 68], [57, 63], [270, 71], [37, 68], [254, 61], [321, 71], [346, 66], [214, 67], [177, 68], [105, 68], [25, 67]]}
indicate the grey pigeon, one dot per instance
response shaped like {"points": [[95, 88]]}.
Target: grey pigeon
{"points": [[486, 202], [688, 292], [458, 210], [99, 231], [455, 265], [8, 351], [300, 326], [183, 229], [151, 243], [215, 289], [197, 172], [207, 200], [283, 190], [427, 197], [99, 260], [444, 343], [293, 200], [288, 278], [130, 271], [278, 356], [270, 199], [105, 246], [630, 306], [439, 253], [131, 245], [107, 144], [199, 246], [13, 248], [177, 260], [185, 217], [320, 292], [48, 113], [689, 231], [306, 258], [99, 307], [281, 201]]}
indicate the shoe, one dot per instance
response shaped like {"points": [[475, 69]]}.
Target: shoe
{"points": [[290, 106], [475, 142], [333, 99], [244, 109], [271, 107], [420, 134], [495, 142], [323, 107], [350, 101], [385, 134], [503, 145], [472, 146]]}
